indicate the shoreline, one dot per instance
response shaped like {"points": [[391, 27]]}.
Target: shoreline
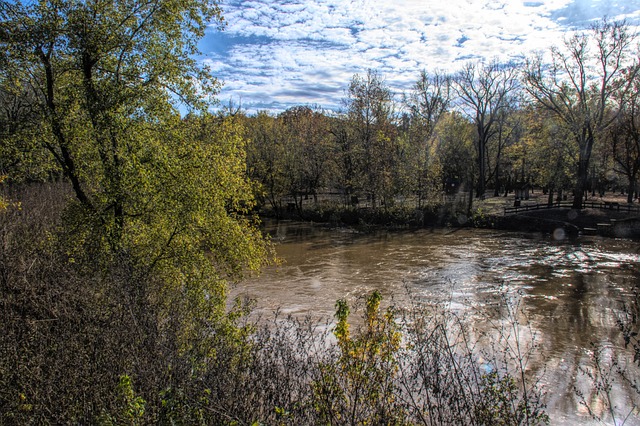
{"points": [[556, 222]]}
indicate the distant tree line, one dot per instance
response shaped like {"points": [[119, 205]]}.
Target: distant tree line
{"points": [[566, 124], [566, 120]]}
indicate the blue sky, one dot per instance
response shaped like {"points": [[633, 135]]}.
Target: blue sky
{"points": [[275, 54]]}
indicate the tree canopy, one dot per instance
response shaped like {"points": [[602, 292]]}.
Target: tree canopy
{"points": [[105, 80], [96, 93]]}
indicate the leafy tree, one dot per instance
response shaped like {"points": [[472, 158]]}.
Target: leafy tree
{"points": [[347, 158], [105, 79], [546, 152], [370, 112], [99, 73], [454, 151], [309, 146], [428, 101], [22, 158], [290, 155], [159, 224], [579, 84], [266, 158]]}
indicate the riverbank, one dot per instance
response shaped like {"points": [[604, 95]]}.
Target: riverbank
{"points": [[609, 222], [488, 214], [587, 221]]}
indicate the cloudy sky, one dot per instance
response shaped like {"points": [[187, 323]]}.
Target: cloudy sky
{"points": [[279, 53]]}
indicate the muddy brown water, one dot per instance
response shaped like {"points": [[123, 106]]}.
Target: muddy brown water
{"points": [[572, 290]]}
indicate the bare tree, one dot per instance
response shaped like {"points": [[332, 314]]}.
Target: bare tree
{"points": [[624, 138], [429, 99], [579, 84], [484, 90]]}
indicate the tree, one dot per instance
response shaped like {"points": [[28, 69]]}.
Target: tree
{"points": [[624, 139], [428, 101], [546, 151], [509, 129], [308, 143], [266, 158], [369, 112], [22, 157], [579, 84], [160, 222], [105, 80], [454, 152], [289, 155], [346, 158], [484, 90], [98, 71]]}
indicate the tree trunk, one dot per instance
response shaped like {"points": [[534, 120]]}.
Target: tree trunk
{"points": [[581, 184], [496, 190], [481, 172], [583, 170], [470, 200]]}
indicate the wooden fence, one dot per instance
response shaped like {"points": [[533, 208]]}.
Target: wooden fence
{"points": [[622, 207]]}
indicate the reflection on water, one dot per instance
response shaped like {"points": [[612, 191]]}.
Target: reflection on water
{"points": [[572, 290]]}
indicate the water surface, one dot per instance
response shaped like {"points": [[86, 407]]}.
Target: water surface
{"points": [[572, 290]]}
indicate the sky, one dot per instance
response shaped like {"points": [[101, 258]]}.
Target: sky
{"points": [[275, 54]]}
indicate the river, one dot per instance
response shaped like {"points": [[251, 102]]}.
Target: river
{"points": [[572, 290]]}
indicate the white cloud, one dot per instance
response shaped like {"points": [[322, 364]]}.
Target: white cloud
{"points": [[284, 52]]}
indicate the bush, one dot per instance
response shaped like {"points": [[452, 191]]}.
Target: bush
{"points": [[359, 386], [79, 334], [400, 366]]}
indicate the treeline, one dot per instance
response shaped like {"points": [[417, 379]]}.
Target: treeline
{"points": [[569, 125], [566, 121]]}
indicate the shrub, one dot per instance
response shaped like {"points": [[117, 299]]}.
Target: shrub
{"points": [[359, 387]]}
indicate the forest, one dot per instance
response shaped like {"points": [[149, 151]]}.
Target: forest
{"points": [[129, 202], [568, 126]]}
